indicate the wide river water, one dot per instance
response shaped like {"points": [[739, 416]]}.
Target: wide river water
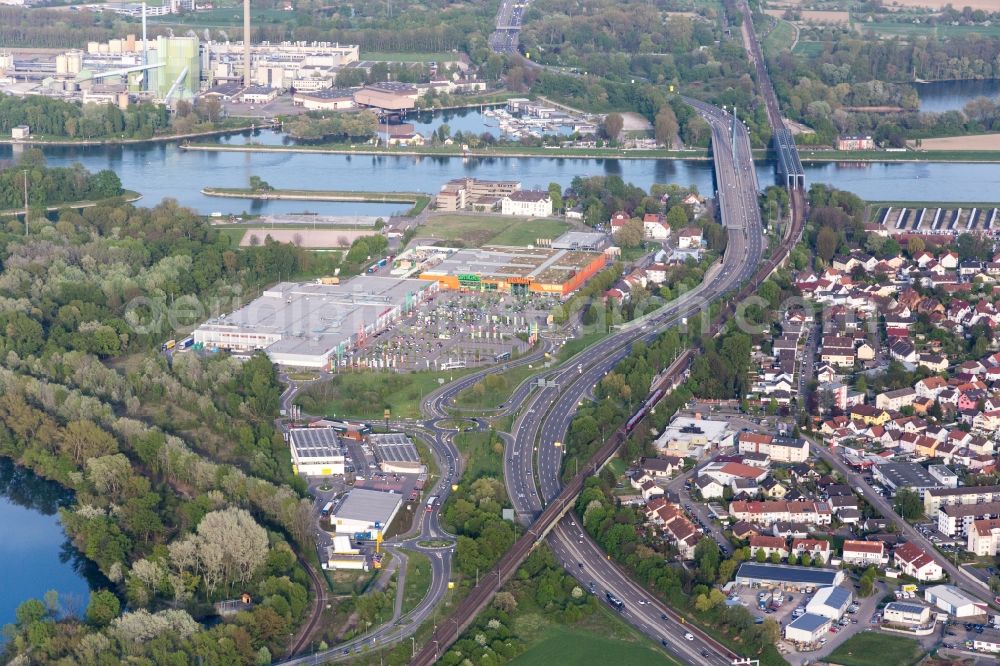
{"points": [[160, 170]]}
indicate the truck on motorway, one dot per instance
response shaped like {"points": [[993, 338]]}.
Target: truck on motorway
{"points": [[169, 344], [615, 602], [432, 502], [187, 342], [327, 508]]}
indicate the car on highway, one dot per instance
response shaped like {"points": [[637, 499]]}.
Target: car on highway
{"points": [[663, 616], [689, 636]]}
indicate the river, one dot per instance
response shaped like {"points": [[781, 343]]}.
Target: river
{"points": [[940, 96], [159, 170], [35, 554]]}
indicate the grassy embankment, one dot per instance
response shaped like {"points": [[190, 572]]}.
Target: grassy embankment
{"points": [[364, 395], [418, 579], [456, 151], [478, 230], [418, 199], [780, 38]]}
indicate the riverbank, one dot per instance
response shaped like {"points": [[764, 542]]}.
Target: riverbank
{"points": [[128, 196], [153, 139], [969, 156], [699, 154], [456, 151], [418, 200]]}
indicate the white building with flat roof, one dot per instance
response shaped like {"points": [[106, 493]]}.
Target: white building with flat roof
{"points": [[807, 628], [316, 451], [686, 436], [906, 613], [830, 602], [313, 325], [396, 453], [953, 601], [364, 510]]}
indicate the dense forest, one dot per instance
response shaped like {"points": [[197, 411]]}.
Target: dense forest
{"points": [[56, 118], [50, 187], [375, 26], [835, 89], [184, 490]]}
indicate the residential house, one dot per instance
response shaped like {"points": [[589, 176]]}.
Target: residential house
{"points": [[661, 468], [984, 537], [815, 547], [914, 562], [813, 513], [709, 487], [864, 553], [895, 400], [768, 544], [689, 237]]}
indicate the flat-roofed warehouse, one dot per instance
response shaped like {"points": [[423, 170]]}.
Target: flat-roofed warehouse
{"points": [[316, 451], [312, 325], [396, 453], [388, 96], [365, 510], [787, 576], [514, 270]]}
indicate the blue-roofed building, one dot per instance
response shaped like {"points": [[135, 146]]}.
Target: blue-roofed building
{"points": [[830, 602], [906, 613], [787, 576], [808, 628]]}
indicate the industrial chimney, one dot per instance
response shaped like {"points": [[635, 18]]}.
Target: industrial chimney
{"points": [[246, 43]]}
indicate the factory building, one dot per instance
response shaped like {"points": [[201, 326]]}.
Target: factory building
{"points": [[830, 602], [807, 628], [315, 325], [787, 576], [180, 67], [330, 99], [316, 451], [953, 601], [391, 96], [906, 613], [396, 453], [304, 66]]}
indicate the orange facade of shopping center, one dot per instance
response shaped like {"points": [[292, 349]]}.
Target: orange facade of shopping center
{"points": [[508, 284]]}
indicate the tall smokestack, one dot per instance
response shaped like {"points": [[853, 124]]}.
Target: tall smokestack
{"points": [[246, 43]]}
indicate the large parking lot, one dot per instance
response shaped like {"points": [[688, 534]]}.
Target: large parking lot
{"points": [[456, 330]]}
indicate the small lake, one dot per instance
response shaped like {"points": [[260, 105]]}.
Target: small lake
{"points": [[35, 554], [941, 96]]}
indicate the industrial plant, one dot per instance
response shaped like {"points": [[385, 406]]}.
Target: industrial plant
{"points": [[169, 68]]}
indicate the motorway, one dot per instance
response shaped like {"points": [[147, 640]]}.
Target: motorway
{"points": [[508, 24], [552, 410]]}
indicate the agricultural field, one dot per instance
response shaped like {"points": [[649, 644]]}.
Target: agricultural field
{"points": [[976, 142]]}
